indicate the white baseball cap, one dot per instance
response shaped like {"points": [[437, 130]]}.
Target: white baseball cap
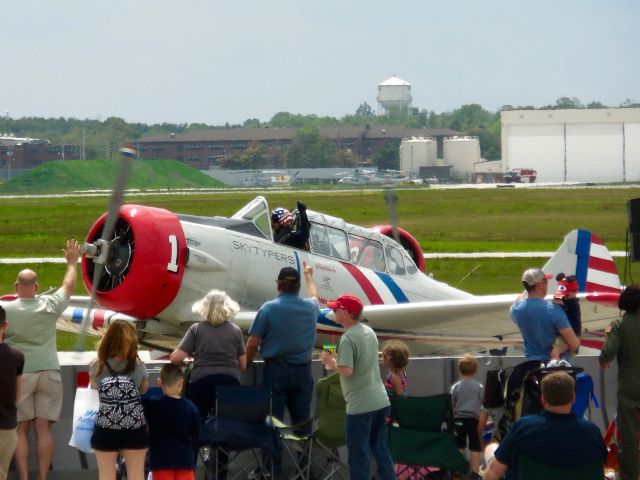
{"points": [[534, 276]]}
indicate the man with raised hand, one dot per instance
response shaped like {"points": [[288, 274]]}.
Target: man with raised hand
{"points": [[284, 332], [32, 330]]}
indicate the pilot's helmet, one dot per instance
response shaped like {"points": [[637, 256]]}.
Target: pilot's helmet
{"points": [[282, 216]]}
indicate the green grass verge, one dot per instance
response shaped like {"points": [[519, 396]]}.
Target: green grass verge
{"points": [[68, 342], [69, 175]]}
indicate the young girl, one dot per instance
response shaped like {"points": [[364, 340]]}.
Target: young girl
{"points": [[395, 356], [120, 377]]}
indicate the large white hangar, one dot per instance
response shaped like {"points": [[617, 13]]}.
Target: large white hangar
{"points": [[577, 145]]}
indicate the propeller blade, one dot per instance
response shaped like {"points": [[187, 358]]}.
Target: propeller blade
{"points": [[122, 177], [117, 194], [391, 199]]}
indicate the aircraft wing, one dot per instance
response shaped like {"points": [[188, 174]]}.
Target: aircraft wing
{"points": [[474, 324], [435, 327]]}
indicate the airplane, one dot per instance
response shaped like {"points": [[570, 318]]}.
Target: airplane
{"points": [[373, 177], [158, 263]]}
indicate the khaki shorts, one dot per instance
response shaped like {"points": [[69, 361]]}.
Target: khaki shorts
{"points": [[41, 396], [8, 442]]}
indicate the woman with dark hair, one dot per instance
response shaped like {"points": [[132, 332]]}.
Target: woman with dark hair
{"points": [[120, 377], [623, 338]]}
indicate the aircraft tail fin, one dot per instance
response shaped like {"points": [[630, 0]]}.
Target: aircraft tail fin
{"points": [[584, 255]]}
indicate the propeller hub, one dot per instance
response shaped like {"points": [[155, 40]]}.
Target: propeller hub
{"points": [[89, 250], [103, 247]]}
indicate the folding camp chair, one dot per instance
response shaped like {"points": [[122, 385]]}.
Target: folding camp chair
{"points": [[531, 469], [329, 435], [297, 443], [313, 445], [421, 435], [240, 424]]}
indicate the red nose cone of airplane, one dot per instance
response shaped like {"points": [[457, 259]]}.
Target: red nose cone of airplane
{"points": [[146, 264]]}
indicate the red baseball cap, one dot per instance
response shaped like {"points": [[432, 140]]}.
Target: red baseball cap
{"points": [[351, 304]]}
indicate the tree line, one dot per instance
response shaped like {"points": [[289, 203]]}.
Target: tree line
{"points": [[309, 149]]}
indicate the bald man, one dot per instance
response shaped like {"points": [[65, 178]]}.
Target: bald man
{"points": [[32, 330]]}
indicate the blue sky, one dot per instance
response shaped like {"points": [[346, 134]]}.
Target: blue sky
{"points": [[214, 62]]}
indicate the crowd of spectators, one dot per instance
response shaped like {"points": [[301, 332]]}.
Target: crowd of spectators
{"points": [[284, 334]]}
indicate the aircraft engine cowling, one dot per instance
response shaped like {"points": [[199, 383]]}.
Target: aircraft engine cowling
{"points": [[146, 261], [409, 243]]}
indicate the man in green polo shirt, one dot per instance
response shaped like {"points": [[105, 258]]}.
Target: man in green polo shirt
{"points": [[363, 390], [32, 330]]}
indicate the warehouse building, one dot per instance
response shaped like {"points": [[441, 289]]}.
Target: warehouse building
{"points": [[577, 145]]}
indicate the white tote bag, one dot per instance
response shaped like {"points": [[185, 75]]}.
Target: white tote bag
{"points": [[85, 409]]}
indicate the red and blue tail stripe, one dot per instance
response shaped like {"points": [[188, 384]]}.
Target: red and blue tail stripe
{"points": [[595, 269]]}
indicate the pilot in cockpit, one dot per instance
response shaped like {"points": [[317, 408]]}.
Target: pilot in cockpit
{"points": [[289, 228]]}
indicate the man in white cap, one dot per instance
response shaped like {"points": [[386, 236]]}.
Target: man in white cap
{"points": [[540, 321]]}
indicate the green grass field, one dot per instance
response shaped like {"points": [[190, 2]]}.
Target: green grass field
{"points": [[441, 220]]}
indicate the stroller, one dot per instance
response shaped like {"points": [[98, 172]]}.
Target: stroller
{"points": [[521, 392]]}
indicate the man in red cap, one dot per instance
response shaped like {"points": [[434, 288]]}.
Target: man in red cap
{"points": [[363, 390]]}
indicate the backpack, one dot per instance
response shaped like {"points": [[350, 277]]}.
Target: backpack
{"points": [[120, 404]]}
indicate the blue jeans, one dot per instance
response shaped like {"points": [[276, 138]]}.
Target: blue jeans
{"points": [[367, 433], [291, 387]]}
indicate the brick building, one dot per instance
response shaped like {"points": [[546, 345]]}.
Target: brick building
{"points": [[204, 148], [20, 154]]}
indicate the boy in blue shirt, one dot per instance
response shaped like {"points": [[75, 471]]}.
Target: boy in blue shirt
{"points": [[174, 424]]}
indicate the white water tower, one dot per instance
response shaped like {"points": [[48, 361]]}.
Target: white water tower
{"points": [[394, 95]]}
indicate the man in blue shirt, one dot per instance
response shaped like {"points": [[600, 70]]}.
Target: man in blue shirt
{"points": [[284, 332], [541, 321], [557, 437]]}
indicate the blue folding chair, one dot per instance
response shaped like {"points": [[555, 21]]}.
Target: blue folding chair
{"points": [[240, 424]]}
